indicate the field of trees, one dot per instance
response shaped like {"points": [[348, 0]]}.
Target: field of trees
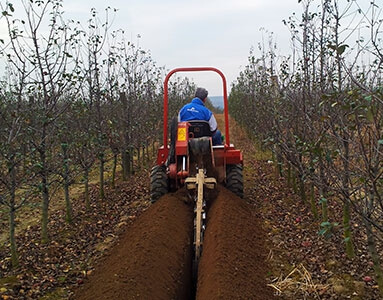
{"points": [[72, 98], [79, 101], [320, 112]]}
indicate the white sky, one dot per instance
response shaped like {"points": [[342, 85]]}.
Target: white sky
{"points": [[182, 33]]}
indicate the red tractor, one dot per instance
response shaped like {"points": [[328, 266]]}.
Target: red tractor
{"points": [[191, 160]]}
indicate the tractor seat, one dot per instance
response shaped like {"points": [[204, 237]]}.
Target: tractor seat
{"points": [[199, 128]]}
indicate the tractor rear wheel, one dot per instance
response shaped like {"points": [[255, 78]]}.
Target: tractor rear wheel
{"points": [[173, 137], [158, 183], [234, 179]]}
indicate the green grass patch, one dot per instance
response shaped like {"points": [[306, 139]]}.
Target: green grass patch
{"points": [[59, 293], [9, 282]]}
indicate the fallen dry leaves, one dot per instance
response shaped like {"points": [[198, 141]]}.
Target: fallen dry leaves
{"points": [[51, 269], [305, 265]]}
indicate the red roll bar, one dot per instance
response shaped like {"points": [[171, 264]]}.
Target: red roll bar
{"points": [[195, 69]]}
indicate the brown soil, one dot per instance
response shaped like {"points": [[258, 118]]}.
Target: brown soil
{"points": [[152, 258], [233, 262]]}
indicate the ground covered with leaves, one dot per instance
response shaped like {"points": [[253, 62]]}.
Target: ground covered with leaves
{"points": [[51, 270], [304, 263]]}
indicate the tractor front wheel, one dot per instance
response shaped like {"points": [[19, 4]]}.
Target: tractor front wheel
{"points": [[234, 179], [158, 183]]}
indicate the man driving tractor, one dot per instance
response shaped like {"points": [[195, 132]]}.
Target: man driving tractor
{"points": [[196, 110]]}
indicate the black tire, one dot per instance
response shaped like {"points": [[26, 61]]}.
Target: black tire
{"points": [[158, 183], [234, 179], [173, 137]]}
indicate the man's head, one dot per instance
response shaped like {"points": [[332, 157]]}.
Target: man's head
{"points": [[201, 93]]}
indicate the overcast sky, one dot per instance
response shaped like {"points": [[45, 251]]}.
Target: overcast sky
{"points": [[181, 33]]}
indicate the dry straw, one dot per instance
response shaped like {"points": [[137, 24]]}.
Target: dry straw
{"points": [[298, 282]]}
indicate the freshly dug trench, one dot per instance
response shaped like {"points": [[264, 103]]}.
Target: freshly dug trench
{"points": [[233, 263], [152, 259]]}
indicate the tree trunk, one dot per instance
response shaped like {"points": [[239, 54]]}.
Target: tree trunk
{"points": [[288, 174], [294, 181], [125, 157], [323, 191], [280, 168], [324, 208], [12, 211], [45, 194], [314, 209], [374, 256], [147, 152], [68, 205], [278, 162], [347, 230], [86, 186], [313, 206], [12, 238], [45, 207], [126, 153], [143, 155], [274, 160], [102, 167], [302, 189], [138, 158], [114, 169], [346, 207], [131, 159]]}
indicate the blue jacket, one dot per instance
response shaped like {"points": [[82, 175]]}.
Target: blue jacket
{"points": [[195, 110]]}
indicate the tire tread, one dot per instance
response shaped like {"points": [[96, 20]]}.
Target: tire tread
{"points": [[158, 183], [234, 179]]}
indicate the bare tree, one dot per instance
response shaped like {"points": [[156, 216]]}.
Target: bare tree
{"points": [[47, 64]]}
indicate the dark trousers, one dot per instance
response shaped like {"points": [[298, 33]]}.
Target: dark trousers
{"points": [[217, 138]]}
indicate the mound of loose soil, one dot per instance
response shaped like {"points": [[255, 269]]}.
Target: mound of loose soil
{"points": [[152, 259], [233, 264]]}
